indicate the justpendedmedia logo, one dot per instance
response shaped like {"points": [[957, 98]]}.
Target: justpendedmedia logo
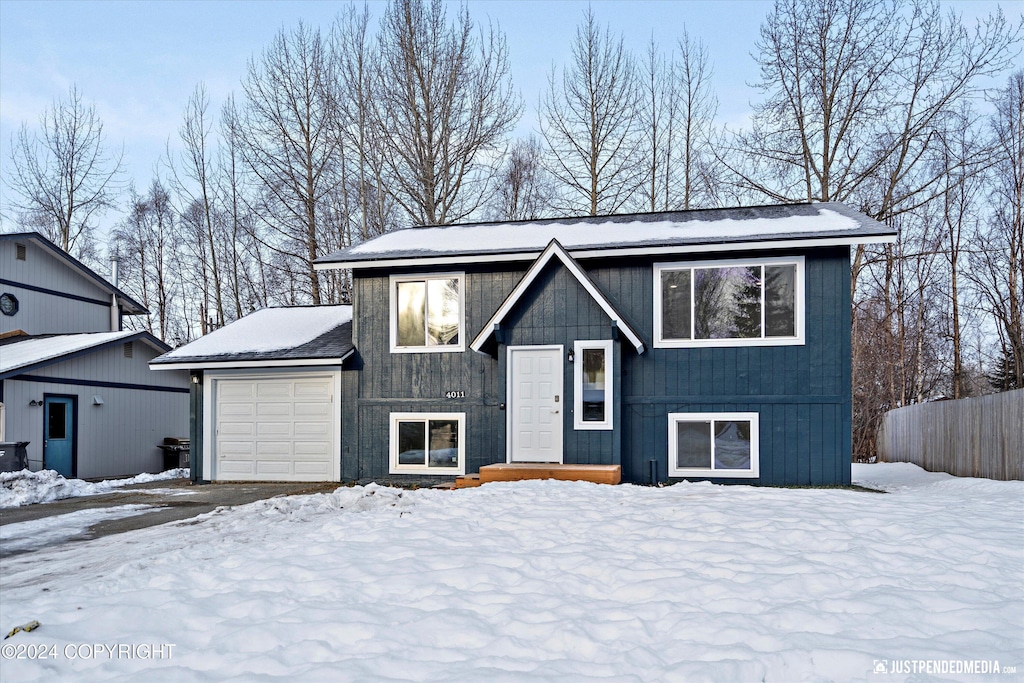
{"points": [[940, 666]]}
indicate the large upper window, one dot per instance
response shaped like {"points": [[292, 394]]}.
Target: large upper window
{"points": [[729, 303], [427, 313], [713, 445], [593, 385], [427, 443]]}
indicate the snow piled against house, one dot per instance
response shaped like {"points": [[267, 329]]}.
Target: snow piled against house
{"points": [[269, 329], [535, 236], [25, 487], [544, 581]]}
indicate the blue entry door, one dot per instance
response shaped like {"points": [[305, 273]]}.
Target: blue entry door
{"points": [[59, 434]]}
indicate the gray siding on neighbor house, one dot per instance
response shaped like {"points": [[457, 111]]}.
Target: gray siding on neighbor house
{"points": [[120, 437], [48, 312], [802, 393]]}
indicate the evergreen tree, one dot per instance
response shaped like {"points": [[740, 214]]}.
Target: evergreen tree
{"points": [[1004, 376]]}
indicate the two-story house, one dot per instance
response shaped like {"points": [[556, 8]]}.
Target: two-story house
{"points": [[700, 344], [74, 384], [710, 344]]}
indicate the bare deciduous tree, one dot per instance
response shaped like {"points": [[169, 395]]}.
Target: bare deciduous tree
{"points": [[524, 189], [697, 109], [855, 91], [358, 61], [290, 143], [63, 175], [998, 262], [195, 183], [589, 119], [445, 102], [143, 245], [657, 118]]}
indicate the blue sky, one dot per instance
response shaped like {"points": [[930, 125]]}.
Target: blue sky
{"points": [[140, 61]]}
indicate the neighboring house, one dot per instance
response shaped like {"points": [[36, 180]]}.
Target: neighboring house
{"points": [[73, 383], [710, 344], [266, 400]]}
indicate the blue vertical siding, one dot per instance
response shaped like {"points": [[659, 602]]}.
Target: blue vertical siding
{"points": [[802, 393]]}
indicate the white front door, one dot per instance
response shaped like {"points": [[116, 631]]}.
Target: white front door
{"points": [[535, 404]]}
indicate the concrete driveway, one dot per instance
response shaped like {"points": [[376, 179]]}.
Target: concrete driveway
{"points": [[169, 500]]}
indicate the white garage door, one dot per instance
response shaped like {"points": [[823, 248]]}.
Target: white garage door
{"points": [[276, 429]]}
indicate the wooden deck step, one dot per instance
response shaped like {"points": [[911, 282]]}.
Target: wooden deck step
{"points": [[467, 481], [518, 471]]}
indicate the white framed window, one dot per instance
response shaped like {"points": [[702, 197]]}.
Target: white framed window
{"points": [[427, 313], [713, 445], [428, 443], [750, 302], [592, 385]]}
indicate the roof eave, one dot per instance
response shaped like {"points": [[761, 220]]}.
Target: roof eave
{"points": [[230, 364], [610, 252]]}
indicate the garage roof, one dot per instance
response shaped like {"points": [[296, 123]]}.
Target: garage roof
{"points": [[276, 336]]}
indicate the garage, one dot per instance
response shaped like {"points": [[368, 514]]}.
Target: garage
{"points": [[275, 428], [266, 395]]}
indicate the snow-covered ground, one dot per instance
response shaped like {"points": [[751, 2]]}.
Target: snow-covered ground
{"points": [[23, 536], [25, 487], [544, 581]]}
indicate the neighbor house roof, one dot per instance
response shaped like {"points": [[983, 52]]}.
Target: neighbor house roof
{"points": [[285, 336], [22, 353], [129, 306], [554, 250], [672, 232]]}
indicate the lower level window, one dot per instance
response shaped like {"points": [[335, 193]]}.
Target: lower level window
{"points": [[427, 442], [713, 445]]}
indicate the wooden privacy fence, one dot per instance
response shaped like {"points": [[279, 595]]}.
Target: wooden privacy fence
{"points": [[972, 437]]}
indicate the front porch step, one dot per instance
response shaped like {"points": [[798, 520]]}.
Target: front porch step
{"points": [[518, 471], [467, 481]]}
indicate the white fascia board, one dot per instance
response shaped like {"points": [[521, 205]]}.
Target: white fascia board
{"points": [[228, 365], [555, 249], [607, 252], [735, 246], [430, 260]]}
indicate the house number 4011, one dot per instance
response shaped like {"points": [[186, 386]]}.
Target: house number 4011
{"points": [[455, 394]]}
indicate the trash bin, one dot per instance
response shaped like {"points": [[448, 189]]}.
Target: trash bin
{"points": [[13, 456], [175, 452]]}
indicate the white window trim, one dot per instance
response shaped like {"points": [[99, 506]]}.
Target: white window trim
{"points": [[395, 468], [393, 312], [755, 442], [577, 384], [798, 311]]}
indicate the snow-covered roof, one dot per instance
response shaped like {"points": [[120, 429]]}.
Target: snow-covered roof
{"points": [[22, 353], [775, 226], [290, 334]]}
